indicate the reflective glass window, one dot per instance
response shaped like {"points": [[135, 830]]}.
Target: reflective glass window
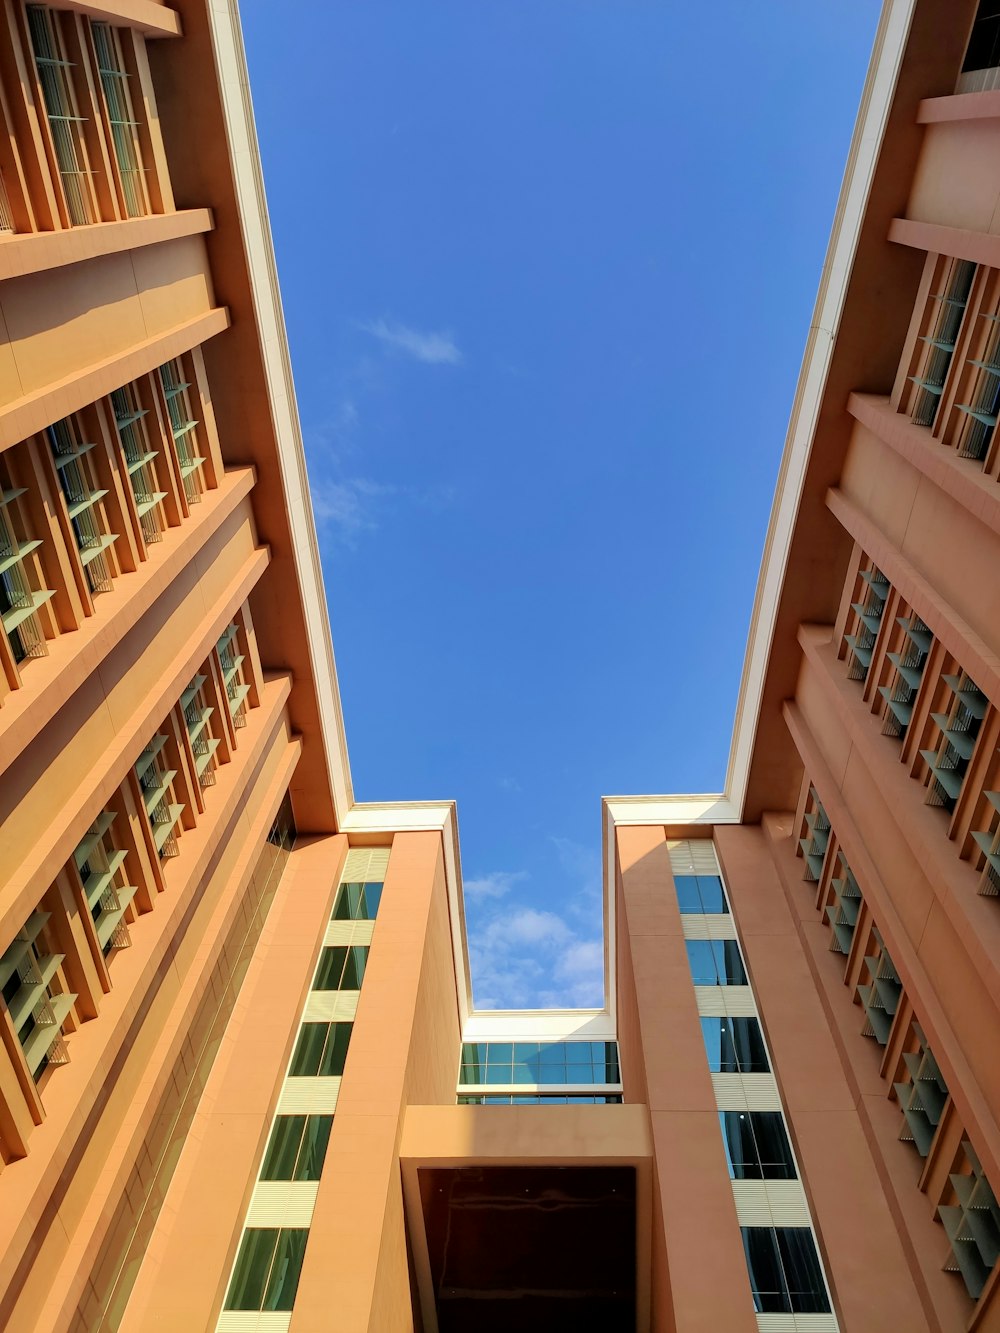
{"points": [[320, 1050], [357, 902], [716, 963], [341, 967], [784, 1270], [757, 1146], [297, 1147], [267, 1270], [734, 1046], [700, 894]]}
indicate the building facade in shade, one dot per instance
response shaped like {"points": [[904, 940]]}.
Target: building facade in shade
{"points": [[243, 1087]]}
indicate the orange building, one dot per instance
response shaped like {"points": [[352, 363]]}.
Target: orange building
{"points": [[243, 1088]]}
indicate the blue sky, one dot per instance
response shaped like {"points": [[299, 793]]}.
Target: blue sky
{"points": [[547, 268]]}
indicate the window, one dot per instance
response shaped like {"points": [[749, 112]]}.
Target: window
{"points": [[267, 1270], [540, 1099], [880, 998], [757, 1146], [734, 1046], [101, 867], [716, 963], [700, 893], [297, 1147], [139, 458], [784, 1269], [183, 428], [940, 341], [357, 902], [843, 907], [922, 1096], [19, 600], [231, 662], [972, 1222], [198, 720], [959, 728], [983, 51], [909, 665], [981, 412], [813, 846], [282, 831], [65, 123], [341, 967], [320, 1050], [83, 501], [37, 1011], [560, 1063], [123, 125], [156, 782], [868, 617]]}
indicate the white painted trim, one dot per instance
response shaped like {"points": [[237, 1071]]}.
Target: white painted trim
{"points": [[244, 155], [539, 1025]]}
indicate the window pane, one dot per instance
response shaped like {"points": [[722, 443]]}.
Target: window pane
{"points": [[770, 1295], [286, 1269], [729, 963], [347, 906], [748, 1041], [712, 897], [688, 896], [331, 966], [773, 1147], [372, 898], [308, 1050], [279, 1160], [701, 959], [253, 1266], [802, 1271], [314, 1141], [354, 967], [336, 1049], [741, 1149]]}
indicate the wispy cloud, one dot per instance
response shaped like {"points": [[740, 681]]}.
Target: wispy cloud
{"points": [[349, 506], [496, 885], [431, 347], [526, 957]]}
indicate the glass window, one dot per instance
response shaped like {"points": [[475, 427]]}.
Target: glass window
{"points": [[357, 902], [700, 894], [734, 1046], [341, 967], [716, 963], [757, 1146], [297, 1147], [554, 1062], [784, 1270], [320, 1050], [267, 1270]]}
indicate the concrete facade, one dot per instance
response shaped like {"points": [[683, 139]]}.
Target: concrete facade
{"points": [[243, 1088]]}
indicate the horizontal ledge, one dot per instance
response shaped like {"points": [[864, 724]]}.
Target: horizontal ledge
{"points": [[959, 106], [149, 17], [32, 413], [678, 809], [957, 242], [22, 253], [397, 817]]}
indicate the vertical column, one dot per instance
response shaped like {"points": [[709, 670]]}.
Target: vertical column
{"points": [[868, 1269], [694, 1216], [356, 1254]]}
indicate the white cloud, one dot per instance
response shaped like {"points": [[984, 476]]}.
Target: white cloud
{"points": [[432, 348], [495, 885], [526, 957], [349, 506]]}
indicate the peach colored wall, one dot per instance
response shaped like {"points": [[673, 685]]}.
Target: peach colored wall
{"points": [[356, 1245], [869, 1275], [957, 180], [692, 1197], [97, 1107], [202, 1218], [943, 937], [83, 756]]}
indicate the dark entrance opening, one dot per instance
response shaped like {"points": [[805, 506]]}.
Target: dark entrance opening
{"points": [[536, 1249]]}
